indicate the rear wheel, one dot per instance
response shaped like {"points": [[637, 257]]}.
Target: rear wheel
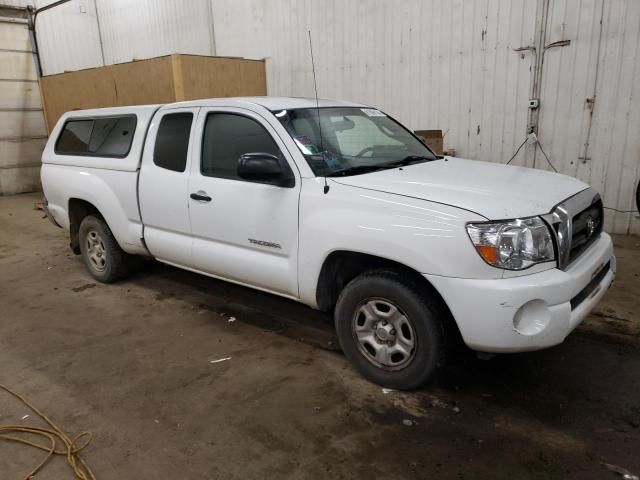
{"points": [[102, 255], [390, 330]]}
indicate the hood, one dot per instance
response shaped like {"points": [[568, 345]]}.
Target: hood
{"points": [[493, 190]]}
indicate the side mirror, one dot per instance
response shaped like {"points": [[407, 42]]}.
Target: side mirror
{"points": [[262, 167]]}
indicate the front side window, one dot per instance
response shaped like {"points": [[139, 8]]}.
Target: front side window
{"points": [[172, 141], [99, 137], [227, 136], [350, 140]]}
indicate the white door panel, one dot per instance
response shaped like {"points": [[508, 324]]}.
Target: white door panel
{"points": [[248, 232], [164, 200]]}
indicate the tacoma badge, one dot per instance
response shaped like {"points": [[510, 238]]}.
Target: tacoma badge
{"points": [[262, 243]]}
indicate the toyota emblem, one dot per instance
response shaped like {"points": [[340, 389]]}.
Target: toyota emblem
{"points": [[591, 226]]}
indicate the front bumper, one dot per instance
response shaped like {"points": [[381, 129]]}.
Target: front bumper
{"points": [[529, 312]]}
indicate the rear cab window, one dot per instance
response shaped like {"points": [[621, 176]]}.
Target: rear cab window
{"points": [[109, 136], [172, 141]]}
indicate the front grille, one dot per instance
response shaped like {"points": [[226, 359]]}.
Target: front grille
{"points": [[577, 223], [585, 229]]}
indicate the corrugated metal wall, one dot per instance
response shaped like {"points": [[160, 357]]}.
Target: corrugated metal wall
{"points": [[68, 36], [446, 64], [145, 29], [599, 142], [91, 33]]}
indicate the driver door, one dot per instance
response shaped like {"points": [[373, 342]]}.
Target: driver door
{"points": [[243, 231]]}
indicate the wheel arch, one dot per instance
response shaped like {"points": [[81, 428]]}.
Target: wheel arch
{"points": [[342, 266], [78, 210]]}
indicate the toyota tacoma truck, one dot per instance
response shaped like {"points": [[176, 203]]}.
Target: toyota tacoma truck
{"points": [[338, 206]]}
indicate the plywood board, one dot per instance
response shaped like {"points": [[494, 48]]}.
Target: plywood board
{"points": [[158, 80], [144, 82], [178, 79], [136, 83], [211, 77], [433, 138]]}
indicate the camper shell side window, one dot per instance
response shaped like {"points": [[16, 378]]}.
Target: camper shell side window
{"points": [[108, 136]]}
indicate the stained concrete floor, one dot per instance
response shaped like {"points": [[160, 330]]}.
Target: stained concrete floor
{"points": [[131, 362]]}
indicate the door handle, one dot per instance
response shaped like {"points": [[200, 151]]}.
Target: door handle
{"points": [[200, 196]]}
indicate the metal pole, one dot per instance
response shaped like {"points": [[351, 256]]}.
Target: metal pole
{"points": [[34, 41], [212, 31], [33, 17], [95, 7]]}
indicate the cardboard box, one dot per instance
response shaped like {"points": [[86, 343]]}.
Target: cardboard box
{"points": [[433, 139]]}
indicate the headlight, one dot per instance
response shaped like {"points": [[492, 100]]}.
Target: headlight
{"points": [[512, 244]]}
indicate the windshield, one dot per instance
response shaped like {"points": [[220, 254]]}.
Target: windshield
{"points": [[350, 140]]}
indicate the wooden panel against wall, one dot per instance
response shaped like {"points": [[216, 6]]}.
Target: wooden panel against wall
{"points": [[211, 77], [137, 83], [144, 82], [157, 80]]}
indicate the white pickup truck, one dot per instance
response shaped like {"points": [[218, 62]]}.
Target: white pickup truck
{"points": [[336, 205]]}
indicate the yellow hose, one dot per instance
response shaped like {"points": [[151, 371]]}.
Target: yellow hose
{"points": [[54, 435]]}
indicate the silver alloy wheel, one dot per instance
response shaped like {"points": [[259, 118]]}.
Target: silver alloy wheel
{"points": [[384, 334], [95, 251]]}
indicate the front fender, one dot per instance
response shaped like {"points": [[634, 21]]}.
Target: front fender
{"points": [[426, 236]]}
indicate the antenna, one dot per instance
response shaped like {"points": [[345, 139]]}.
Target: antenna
{"points": [[315, 87], [315, 84]]}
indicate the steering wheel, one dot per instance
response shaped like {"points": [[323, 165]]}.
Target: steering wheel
{"points": [[364, 150]]}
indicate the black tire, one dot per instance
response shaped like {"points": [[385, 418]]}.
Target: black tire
{"points": [[423, 313], [108, 262]]}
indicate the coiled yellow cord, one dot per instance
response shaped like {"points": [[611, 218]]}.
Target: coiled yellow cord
{"points": [[55, 436]]}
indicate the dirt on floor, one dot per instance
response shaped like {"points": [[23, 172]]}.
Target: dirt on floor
{"points": [[181, 376]]}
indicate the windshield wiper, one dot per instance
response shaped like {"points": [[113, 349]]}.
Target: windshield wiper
{"points": [[354, 170], [409, 159]]}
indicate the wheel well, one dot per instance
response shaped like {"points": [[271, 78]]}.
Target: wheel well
{"points": [[341, 267], [78, 210]]}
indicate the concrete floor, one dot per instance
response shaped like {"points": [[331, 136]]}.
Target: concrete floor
{"points": [[131, 363]]}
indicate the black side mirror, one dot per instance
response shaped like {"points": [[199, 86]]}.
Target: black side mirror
{"points": [[263, 167]]}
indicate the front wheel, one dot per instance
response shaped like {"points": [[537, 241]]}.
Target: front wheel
{"points": [[390, 330]]}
